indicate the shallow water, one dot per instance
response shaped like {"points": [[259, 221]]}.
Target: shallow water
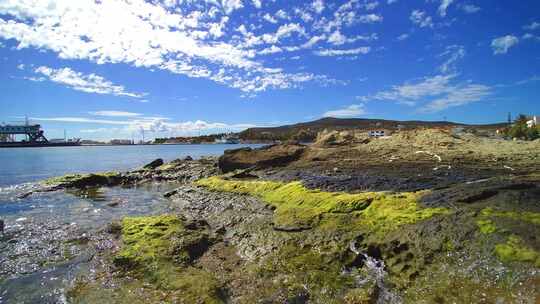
{"points": [[43, 247], [21, 165]]}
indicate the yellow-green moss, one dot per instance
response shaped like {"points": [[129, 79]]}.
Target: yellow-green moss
{"points": [[156, 250], [514, 250], [148, 239], [294, 270], [531, 217], [486, 226], [300, 207], [77, 180]]}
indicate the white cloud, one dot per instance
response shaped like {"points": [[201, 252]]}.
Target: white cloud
{"points": [[284, 31], [391, 1], [458, 97], [469, 8], [154, 125], [533, 26], [434, 93], [115, 114], [332, 52], [501, 45], [318, 6], [409, 93], [282, 14], [403, 37], [305, 16], [371, 18], [271, 50], [257, 3], [194, 43], [337, 38], [528, 36], [90, 83], [231, 5], [270, 18], [353, 110], [421, 19], [453, 53], [371, 5], [444, 6]]}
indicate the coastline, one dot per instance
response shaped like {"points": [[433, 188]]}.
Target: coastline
{"points": [[304, 222]]}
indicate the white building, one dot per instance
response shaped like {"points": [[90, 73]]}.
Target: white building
{"points": [[379, 133], [533, 122]]}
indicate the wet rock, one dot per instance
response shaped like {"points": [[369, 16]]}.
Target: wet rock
{"points": [[269, 156], [82, 181], [114, 228], [2, 226], [188, 158], [154, 164]]}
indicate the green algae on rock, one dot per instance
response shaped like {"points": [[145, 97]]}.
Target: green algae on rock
{"points": [[531, 217], [147, 239], [514, 250], [158, 251], [302, 208], [486, 226]]}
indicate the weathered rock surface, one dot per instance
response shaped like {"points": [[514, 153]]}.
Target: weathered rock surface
{"points": [[269, 156], [420, 219], [154, 164]]}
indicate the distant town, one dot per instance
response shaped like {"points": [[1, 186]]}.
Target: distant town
{"points": [[523, 127]]}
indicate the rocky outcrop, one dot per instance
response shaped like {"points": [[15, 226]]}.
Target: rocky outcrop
{"points": [[269, 156], [154, 164]]}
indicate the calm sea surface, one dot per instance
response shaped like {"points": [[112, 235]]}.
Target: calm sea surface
{"points": [[22, 165]]}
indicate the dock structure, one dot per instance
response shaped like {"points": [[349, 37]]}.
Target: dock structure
{"points": [[34, 133]]}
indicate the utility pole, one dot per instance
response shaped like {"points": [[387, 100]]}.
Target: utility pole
{"points": [[509, 118]]}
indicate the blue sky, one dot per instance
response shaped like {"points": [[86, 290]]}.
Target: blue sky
{"points": [[109, 69]]}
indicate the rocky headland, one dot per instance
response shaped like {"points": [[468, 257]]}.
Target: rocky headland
{"points": [[424, 216]]}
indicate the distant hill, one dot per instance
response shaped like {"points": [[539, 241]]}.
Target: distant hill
{"points": [[309, 130]]}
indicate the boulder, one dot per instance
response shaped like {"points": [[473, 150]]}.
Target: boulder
{"points": [[154, 164], [269, 156]]}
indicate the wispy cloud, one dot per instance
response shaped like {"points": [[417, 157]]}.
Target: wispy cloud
{"points": [[115, 114], [533, 26], [453, 54], [421, 19], [353, 110], [502, 44], [90, 83], [469, 8], [434, 94], [195, 41], [333, 52], [444, 6], [151, 124]]}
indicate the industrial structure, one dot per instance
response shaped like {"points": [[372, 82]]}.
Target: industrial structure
{"points": [[33, 136], [33, 133]]}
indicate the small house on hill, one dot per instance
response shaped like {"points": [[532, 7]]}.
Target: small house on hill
{"points": [[379, 132], [532, 122]]}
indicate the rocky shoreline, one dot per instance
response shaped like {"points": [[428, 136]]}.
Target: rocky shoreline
{"points": [[344, 220]]}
